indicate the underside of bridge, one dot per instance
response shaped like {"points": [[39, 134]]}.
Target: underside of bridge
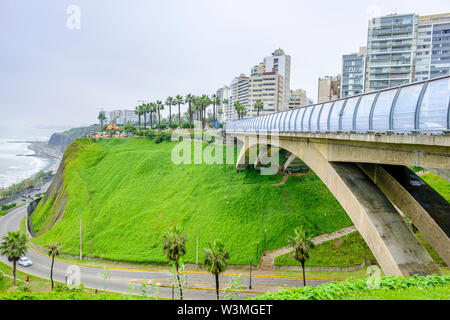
{"points": [[374, 193]]}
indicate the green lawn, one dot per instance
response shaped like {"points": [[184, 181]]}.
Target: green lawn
{"points": [[128, 192], [438, 184]]}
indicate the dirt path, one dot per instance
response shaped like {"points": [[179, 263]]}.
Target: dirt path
{"points": [[268, 257]]}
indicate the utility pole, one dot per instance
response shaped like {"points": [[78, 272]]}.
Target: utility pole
{"points": [[81, 247], [196, 254]]}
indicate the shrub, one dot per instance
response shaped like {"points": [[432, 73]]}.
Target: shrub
{"points": [[187, 125], [150, 134], [349, 289], [161, 126], [173, 126], [159, 139]]}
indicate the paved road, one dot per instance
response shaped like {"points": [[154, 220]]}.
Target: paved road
{"points": [[121, 280]]}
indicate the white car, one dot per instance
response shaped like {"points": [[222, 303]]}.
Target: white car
{"points": [[25, 262]]}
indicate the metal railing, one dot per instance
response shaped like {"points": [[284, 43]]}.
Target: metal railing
{"points": [[420, 107]]}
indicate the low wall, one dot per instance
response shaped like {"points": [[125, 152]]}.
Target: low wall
{"points": [[31, 206], [326, 269]]}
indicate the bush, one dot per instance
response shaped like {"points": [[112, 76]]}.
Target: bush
{"points": [[187, 125], [161, 126], [173, 126], [350, 289], [150, 134], [6, 207]]}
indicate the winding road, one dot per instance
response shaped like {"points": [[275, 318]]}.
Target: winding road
{"points": [[200, 285]]}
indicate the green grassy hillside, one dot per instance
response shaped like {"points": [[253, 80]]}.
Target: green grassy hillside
{"points": [[128, 192]]}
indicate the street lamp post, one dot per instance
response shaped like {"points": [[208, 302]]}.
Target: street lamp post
{"points": [[257, 245], [250, 283]]}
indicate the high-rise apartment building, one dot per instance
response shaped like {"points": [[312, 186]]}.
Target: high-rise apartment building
{"points": [[267, 87], [239, 91], [353, 73], [223, 94], [268, 81], [298, 99], [391, 49], [281, 63], [433, 47], [329, 88]]}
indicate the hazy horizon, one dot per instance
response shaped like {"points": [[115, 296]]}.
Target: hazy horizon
{"points": [[52, 76]]}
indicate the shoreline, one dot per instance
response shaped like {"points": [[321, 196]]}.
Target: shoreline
{"points": [[43, 150]]}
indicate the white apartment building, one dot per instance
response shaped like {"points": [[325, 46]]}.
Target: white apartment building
{"points": [[433, 47], [281, 63]]}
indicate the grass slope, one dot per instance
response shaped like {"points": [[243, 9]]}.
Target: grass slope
{"points": [[347, 251], [128, 192]]}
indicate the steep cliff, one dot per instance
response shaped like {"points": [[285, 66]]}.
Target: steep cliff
{"points": [[61, 140]]}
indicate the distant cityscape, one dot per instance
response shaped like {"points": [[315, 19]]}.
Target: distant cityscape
{"points": [[400, 49]]}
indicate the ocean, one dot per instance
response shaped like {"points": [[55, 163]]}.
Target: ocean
{"points": [[15, 164]]}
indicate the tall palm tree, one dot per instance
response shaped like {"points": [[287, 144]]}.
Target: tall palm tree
{"points": [[259, 105], [102, 118], [190, 100], [137, 111], [240, 109], [159, 107], [216, 257], [215, 101], [145, 110], [205, 102], [301, 242], [53, 250], [152, 108], [179, 100], [170, 103], [14, 246], [174, 246]]}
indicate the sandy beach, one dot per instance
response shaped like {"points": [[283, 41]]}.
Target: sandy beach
{"points": [[43, 150]]}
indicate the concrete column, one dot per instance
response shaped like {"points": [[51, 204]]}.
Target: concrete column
{"points": [[426, 208]]}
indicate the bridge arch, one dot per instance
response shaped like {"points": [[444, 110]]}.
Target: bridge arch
{"points": [[395, 247]]}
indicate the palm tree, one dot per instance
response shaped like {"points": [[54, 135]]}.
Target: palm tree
{"points": [[259, 105], [159, 107], [179, 100], [102, 118], [205, 101], [14, 246], [301, 242], [137, 111], [240, 109], [215, 101], [174, 246], [53, 250], [190, 99], [216, 257], [170, 102], [145, 110], [152, 108]]}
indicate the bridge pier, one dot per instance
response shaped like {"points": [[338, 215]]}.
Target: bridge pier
{"points": [[393, 244], [426, 208]]}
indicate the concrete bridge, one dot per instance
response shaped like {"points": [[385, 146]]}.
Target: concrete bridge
{"points": [[361, 148]]}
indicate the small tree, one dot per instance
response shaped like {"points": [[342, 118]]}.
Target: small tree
{"points": [[53, 250], [259, 105], [301, 242], [216, 257], [102, 118], [14, 246], [174, 246]]}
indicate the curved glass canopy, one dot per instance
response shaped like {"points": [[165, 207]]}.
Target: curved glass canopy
{"points": [[418, 107]]}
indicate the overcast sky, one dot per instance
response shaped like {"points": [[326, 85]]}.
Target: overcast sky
{"points": [[132, 50]]}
